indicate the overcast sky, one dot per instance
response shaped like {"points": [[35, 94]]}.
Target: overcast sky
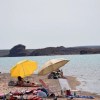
{"points": [[49, 23]]}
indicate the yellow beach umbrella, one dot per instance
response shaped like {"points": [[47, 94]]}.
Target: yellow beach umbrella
{"points": [[23, 68], [52, 65]]}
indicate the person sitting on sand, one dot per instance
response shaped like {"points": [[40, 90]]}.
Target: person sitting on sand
{"points": [[54, 76], [51, 75], [22, 82], [61, 73], [58, 73]]}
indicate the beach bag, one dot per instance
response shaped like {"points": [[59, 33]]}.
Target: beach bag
{"points": [[12, 83], [68, 92], [52, 95]]}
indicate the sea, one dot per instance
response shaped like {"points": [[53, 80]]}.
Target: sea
{"points": [[85, 67]]}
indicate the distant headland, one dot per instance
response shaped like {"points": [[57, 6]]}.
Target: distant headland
{"points": [[20, 50]]}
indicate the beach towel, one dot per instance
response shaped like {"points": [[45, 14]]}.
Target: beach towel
{"points": [[17, 93], [22, 85], [64, 84], [12, 83], [87, 97], [34, 98], [23, 92], [78, 96]]}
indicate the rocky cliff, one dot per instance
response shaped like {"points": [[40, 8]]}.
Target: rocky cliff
{"points": [[65, 51], [20, 50]]}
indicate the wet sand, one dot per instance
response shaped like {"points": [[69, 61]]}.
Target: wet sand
{"points": [[53, 83]]}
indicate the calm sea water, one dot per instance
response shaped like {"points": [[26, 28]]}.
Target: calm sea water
{"points": [[85, 67]]}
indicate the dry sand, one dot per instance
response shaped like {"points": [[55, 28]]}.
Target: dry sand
{"points": [[53, 83]]}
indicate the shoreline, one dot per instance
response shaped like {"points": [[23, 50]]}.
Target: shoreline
{"points": [[73, 82], [76, 83]]}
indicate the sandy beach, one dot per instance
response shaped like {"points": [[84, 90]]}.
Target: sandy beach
{"points": [[5, 78]]}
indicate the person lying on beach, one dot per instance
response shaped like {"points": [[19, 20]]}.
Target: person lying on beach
{"points": [[22, 82], [44, 90], [48, 94]]}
